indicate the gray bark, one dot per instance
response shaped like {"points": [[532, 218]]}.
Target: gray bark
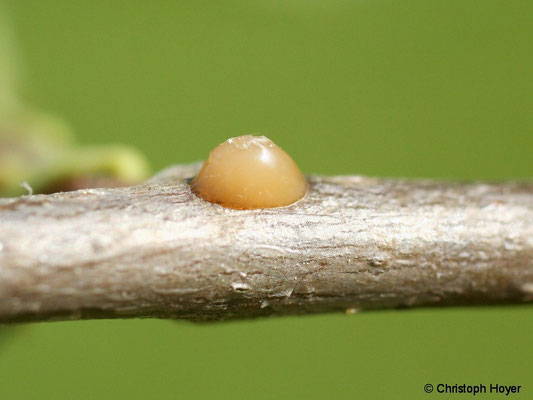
{"points": [[353, 243]]}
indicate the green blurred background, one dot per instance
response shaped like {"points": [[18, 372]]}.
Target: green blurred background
{"points": [[387, 88]]}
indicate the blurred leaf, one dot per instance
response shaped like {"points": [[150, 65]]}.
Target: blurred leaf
{"points": [[38, 149]]}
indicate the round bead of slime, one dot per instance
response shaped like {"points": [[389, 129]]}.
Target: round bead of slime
{"points": [[249, 172]]}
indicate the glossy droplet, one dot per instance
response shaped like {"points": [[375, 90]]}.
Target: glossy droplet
{"points": [[248, 172]]}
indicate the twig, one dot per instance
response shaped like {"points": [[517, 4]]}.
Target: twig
{"points": [[353, 243]]}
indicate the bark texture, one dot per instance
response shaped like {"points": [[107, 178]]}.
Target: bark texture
{"points": [[353, 243]]}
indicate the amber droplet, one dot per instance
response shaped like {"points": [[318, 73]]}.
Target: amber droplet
{"points": [[249, 172]]}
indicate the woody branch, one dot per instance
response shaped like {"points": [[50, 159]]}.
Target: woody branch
{"points": [[353, 243]]}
